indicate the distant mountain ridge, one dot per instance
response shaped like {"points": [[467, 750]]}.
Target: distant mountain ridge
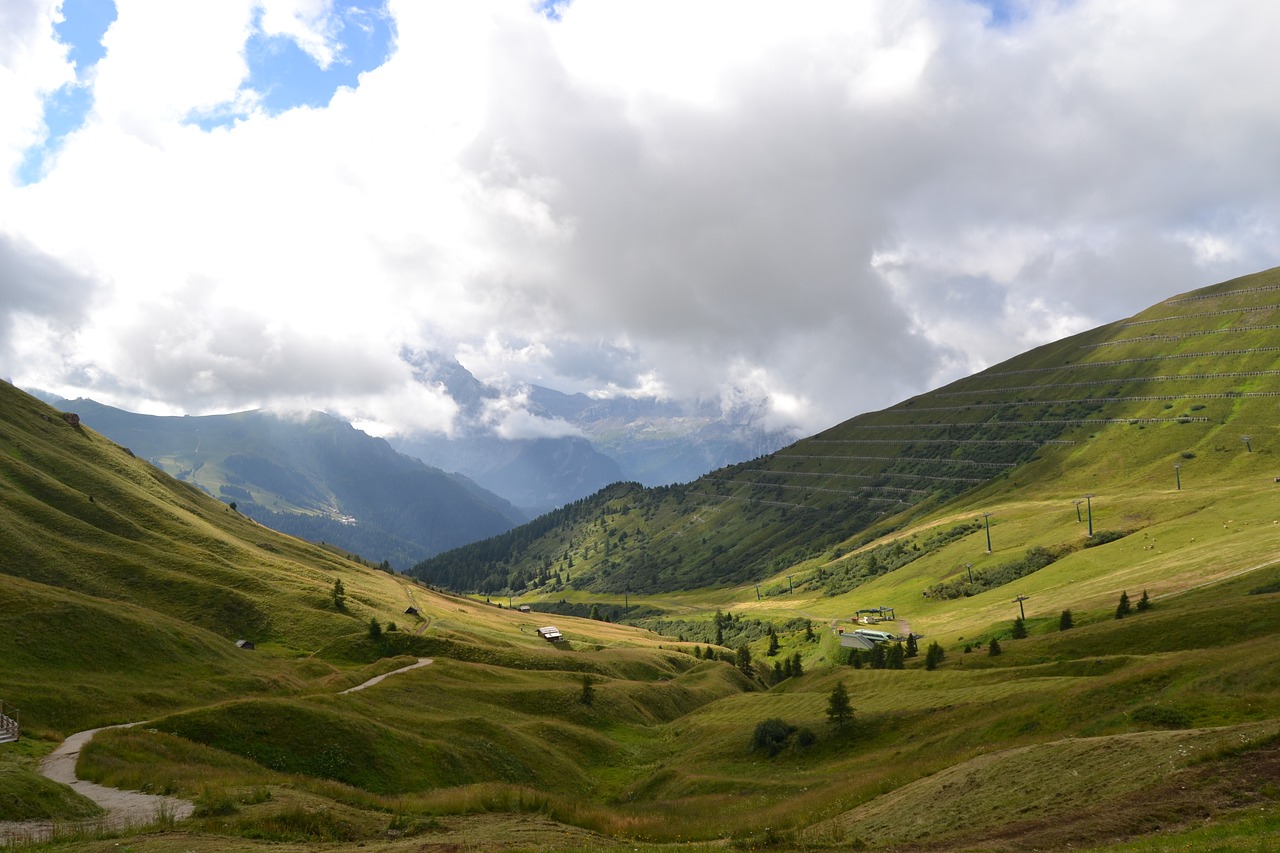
{"points": [[588, 443], [317, 478], [1190, 378]]}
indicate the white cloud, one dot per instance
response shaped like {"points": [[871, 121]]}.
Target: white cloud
{"points": [[826, 205]]}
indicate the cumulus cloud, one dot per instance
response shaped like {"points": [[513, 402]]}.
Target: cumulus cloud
{"points": [[821, 208]]}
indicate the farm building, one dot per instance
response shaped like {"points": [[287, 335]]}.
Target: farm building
{"points": [[551, 634], [247, 645]]}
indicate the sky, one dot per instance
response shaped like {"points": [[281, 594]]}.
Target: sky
{"points": [[814, 208]]}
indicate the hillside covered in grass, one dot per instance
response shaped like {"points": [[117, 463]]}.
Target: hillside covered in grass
{"points": [[1191, 383], [709, 724]]}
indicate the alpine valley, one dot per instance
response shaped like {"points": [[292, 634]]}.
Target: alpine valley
{"points": [[1072, 555]]}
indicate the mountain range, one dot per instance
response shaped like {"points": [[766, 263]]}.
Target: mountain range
{"points": [[315, 477], [574, 444], [1073, 554]]}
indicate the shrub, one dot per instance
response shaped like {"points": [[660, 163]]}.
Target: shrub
{"points": [[1162, 716], [771, 736]]}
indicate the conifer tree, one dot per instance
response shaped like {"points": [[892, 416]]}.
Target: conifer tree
{"points": [[896, 657], [1019, 629], [855, 658], [1123, 608], [993, 648], [742, 659], [773, 642], [878, 656], [839, 710], [1144, 603], [797, 668], [1065, 622], [913, 647], [339, 595], [933, 656], [375, 630]]}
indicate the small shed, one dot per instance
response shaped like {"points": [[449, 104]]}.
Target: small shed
{"points": [[524, 608], [247, 645], [412, 611], [854, 640], [551, 634]]}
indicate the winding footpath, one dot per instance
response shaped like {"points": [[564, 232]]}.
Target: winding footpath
{"points": [[122, 808]]}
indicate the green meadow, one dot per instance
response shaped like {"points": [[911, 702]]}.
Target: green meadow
{"points": [[125, 591]]}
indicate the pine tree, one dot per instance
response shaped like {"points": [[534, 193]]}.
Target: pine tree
{"points": [[993, 648], [878, 657], [855, 658], [778, 673], [913, 647], [1144, 603], [1065, 622], [375, 630], [1123, 608], [808, 630], [896, 657], [1019, 629], [339, 595], [933, 656], [797, 668], [788, 668], [742, 659], [839, 710], [773, 642]]}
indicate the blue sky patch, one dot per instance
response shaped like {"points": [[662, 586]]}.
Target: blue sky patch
{"points": [[552, 9], [84, 23], [285, 76]]}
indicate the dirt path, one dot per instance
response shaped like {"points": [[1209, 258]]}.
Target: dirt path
{"points": [[377, 678], [123, 808]]}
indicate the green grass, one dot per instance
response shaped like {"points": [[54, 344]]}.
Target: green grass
{"points": [[125, 608]]}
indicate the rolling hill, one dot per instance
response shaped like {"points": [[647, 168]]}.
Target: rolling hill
{"points": [[315, 477], [1159, 400], [1152, 729]]}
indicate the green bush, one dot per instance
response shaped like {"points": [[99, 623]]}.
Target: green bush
{"points": [[771, 736]]}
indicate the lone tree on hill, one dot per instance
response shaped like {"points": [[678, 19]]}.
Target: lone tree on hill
{"points": [[1065, 623], [913, 647], [993, 648], [1123, 608], [742, 659], [1144, 603], [339, 595], [933, 656], [1019, 629], [839, 710]]}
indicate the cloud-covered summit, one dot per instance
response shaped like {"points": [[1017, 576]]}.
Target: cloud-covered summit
{"points": [[826, 206]]}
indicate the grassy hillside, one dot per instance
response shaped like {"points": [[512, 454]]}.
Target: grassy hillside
{"points": [[315, 477], [1159, 730]]}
